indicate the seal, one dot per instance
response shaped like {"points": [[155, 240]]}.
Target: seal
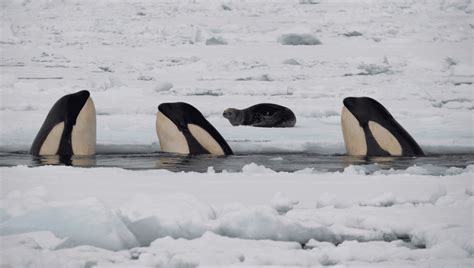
{"points": [[370, 130], [69, 128], [181, 128], [261, 115]]}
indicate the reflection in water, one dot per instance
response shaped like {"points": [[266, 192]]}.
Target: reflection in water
{"points": [[387, 162], [234, 163], [197, 163], [348, 160], [65, 160], [172, 161]]}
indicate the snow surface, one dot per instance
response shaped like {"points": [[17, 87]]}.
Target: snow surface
{"points": [[415, 57], [58, 215]]}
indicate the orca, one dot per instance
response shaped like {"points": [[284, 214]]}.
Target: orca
{"points": [[69, 128], [370, 130], [181, 128]]}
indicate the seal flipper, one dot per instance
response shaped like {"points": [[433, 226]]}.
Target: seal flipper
{"points": [[273, 120], [69, 127]]}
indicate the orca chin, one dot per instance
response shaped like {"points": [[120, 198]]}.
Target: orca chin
{"points": [[370, 130], [353, 134], [69, 128], [181, 128]]}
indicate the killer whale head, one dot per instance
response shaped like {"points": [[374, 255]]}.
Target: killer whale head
{"points": [[370, 130], [181, 128], [69, 128]]}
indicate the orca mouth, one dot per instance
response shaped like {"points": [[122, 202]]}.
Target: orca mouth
{"points": [[80, 96], [167, 110], [173, 111], [352, 106], [163, 108], [84, 93], [349, 102]]}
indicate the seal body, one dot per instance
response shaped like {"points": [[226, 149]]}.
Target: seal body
{"points": [[261, 115], [69, 128], [370, 130], [181, 128]]}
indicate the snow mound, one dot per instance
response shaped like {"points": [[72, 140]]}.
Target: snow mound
{"points": [[226, 6], [87, 222], [212, 249], [426, 169], [383, 200], [34, 240], [263, 77], [352, 34], [163, 86], [462, 5], [389, 199], [21, 251], [143, 77], [374, 69], [281, 203], [253, 168], [265, 223], [295, 39], [292, 61], [308, 2], [178, 216], [185, 217], [216, 41], [18, 202]]}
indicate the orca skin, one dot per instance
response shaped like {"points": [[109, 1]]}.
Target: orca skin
{"points": [[69, 128], [181, 128], [370, 130]]}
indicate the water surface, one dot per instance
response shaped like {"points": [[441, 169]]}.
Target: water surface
{"points": [[200, 163]]}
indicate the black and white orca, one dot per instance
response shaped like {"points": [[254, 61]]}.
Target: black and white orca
{"points": [[181, 128], [370, 130], [69, 129]]}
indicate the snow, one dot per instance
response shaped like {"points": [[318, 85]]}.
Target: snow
{"points": [[299, 39], [415, 57], [215, 41], [106, 231], [281, 203], [160, 217]]}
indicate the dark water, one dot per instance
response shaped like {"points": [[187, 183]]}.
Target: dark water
{"points": [[276, 161]]}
